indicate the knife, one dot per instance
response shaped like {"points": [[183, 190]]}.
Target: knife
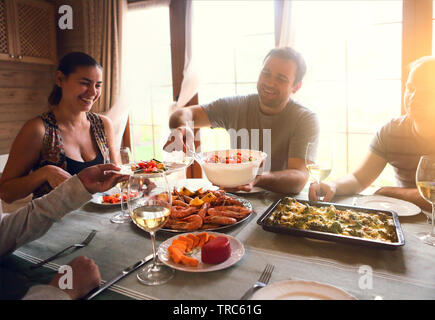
{"points": [[123, 273]]}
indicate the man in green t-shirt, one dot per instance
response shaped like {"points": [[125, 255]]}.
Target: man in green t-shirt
{"points": [[269, 120], [401, 142]]}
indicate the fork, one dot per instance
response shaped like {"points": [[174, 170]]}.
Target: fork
{"points": [[76, 246], [262, 282]]}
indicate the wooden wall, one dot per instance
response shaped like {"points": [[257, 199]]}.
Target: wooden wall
{"points": [[71, 40], [24, 88]]}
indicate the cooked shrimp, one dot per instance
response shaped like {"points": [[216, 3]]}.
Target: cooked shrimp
{"points": [[186, 199], [179, 203], [178, 194], [219, 220], [206, 226], [189, 223], [179, 212], [234, 208], [226, 200], [227, 213], [203, 211]]}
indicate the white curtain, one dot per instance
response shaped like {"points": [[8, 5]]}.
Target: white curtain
{"points": [[287, 33], [189, 86]]}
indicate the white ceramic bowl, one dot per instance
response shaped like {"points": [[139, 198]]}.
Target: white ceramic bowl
{"points": [[230, 175]]}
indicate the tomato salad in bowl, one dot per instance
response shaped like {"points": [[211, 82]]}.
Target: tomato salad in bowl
{"points": [[237, 158], [231, 168]]}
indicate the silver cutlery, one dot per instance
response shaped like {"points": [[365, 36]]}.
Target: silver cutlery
{"points": [[121, 275], [262, 282], [76, 246]]}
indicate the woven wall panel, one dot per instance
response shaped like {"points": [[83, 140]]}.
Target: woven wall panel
{"points": [[4, 46], [34, 30]]}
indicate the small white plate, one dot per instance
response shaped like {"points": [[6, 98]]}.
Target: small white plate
{"points": [[97, 198], [171, 167], [401, 207], [301, 290], [237, 252]]}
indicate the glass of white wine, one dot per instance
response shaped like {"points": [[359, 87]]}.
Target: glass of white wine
{"points": [[321, 167], [150, 210], [425, 180], [123, 216]]}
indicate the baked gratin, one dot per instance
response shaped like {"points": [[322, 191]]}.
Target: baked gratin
{"points": [[373, 226]]}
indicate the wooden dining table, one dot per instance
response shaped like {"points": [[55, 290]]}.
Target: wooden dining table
{"points": [[404, 273]]}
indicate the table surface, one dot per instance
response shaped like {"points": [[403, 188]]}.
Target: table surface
{"points": [[404, 273]]}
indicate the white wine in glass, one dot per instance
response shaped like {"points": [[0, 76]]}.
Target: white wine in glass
{"points": [[320, 169], [425, 180], [150, 217], [150, 211], [317, 172]]}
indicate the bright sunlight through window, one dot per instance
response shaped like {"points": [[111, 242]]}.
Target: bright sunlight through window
{"points": [[353, 82], [234, 36], [149, 79]]}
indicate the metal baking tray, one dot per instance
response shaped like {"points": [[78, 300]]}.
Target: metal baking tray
{"points": [[262, 221]]}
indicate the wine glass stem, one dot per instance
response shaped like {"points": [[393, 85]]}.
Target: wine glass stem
{"points": [[124, 208], [433, 213], [321, 197], [152, 235]]}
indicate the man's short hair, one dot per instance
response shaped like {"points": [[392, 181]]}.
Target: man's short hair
{"points": [[288, 53]]}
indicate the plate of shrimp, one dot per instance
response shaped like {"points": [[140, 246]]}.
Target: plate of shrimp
{"points": [[206, 210]]}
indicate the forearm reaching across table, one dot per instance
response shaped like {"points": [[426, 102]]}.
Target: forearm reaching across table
{"points": [[290, 181], [33, 221], [353, 183]]}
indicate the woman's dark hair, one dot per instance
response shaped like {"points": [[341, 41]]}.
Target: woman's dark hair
{"points": [[67, 65], [288, 53]]}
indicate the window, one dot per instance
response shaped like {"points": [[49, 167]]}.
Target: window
{"points": [[235, 36], [149, 79], [353, 51], [357, 74], [353, 79]]}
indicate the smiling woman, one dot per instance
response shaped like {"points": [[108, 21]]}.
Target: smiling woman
{"points": [[64, 140]]}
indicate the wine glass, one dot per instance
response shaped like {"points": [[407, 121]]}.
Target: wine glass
{"points": [[425, 180], [123, 216], [181, 150], [319, 160], [150, 210]]}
